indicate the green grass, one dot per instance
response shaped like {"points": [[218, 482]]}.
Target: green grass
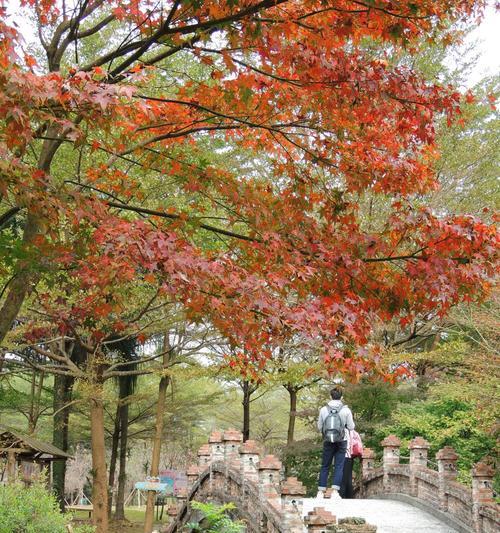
{"points": [[134, 515]]}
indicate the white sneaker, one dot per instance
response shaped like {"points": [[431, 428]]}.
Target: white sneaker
{"points": [[320, 495], [335, 495]]}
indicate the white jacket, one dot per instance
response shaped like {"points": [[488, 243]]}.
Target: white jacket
{"points": [[345, 415]]}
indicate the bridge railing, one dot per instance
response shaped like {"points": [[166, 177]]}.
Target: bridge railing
{"points": [[231, 470], [475, 508]]}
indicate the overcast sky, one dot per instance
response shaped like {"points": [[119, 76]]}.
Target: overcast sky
{"points": [[487, 36]]}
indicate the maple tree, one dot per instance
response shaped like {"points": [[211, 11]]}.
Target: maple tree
{"points": [[103, 157]]}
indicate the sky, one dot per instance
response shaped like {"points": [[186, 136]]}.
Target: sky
{"points": [[487, 37]]}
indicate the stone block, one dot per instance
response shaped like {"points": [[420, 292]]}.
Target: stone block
{"points": [[320, 520], [293, 487], [232, 440], [204, 455], [217, 452], [391, 445]]}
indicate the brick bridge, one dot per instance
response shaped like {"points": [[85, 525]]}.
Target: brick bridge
{"points": [[230, 470]]}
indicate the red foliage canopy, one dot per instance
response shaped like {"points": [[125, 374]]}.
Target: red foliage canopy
{"points": [[301, 85]]}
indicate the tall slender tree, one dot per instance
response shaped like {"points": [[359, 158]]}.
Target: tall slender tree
{"points": [[126, 386]]}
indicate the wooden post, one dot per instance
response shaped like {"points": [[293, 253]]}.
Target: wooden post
{"points": [[11, 466]]}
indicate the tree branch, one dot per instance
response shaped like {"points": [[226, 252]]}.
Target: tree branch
{"points": [[177, 217], [12, 212]]}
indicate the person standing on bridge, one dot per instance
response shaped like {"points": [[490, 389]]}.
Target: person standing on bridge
{"points": [[333, 421]]}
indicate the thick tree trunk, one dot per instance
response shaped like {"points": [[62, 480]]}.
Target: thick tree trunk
{"points": [[112, 462], [292, 415], [25, 278], [62, 396], [120, 498], [155, 460], [20, 285], [99, 488], [247, 393]]}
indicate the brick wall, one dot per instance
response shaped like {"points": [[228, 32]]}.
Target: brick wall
{"points": [[427, 483], [489, 519], [459, 502], [373, 486], [475, 508], [231, 471]]}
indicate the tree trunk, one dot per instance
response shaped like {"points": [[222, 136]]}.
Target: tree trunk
{"points": [[155, 460], [247, 393], [292, 415], [62, 396], [25, 278], [112, 462], [120, 498], [20, 284], [36, 398], [99, 487], [31, 425]]}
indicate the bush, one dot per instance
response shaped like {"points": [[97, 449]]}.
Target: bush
{"points": [[444, 422], [30, 510], [302, 459], [84, 529], [215, 519]]}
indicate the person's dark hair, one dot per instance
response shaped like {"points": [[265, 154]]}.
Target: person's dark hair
{"points": [[336, 393]]}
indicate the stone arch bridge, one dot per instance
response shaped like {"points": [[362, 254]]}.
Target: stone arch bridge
{"points": [[230, 470]]}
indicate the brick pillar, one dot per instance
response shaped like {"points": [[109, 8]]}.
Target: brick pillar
{"points": [[391, 445], [367, 467], [192, 474], [447, 468], [181, 497], [419, 448], [482, 491], [292, 496], [249, 460], [204, 456], [232, 440], [172, 511], [319, 520], [216, 447], [269, 480]]}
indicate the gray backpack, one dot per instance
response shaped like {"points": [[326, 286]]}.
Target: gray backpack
{"points": [[333, 427]]}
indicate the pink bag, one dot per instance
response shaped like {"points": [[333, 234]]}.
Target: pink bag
{"points": [[356, 444]]}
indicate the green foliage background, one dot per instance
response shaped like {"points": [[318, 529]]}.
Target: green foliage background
{"points": [[32, 510]]}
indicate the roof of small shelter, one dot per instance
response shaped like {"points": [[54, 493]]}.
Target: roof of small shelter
{"points": [[30, 446]]}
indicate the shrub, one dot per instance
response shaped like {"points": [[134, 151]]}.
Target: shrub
{"points": [[216, 519], [444, 421], [84, 529], [302, 459], [30, 510]]}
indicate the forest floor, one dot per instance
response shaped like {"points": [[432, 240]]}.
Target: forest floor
{"points": [[133, 524]]}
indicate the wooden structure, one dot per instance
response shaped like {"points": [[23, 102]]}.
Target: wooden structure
{"points": [[87, 508], [27, 455]]}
